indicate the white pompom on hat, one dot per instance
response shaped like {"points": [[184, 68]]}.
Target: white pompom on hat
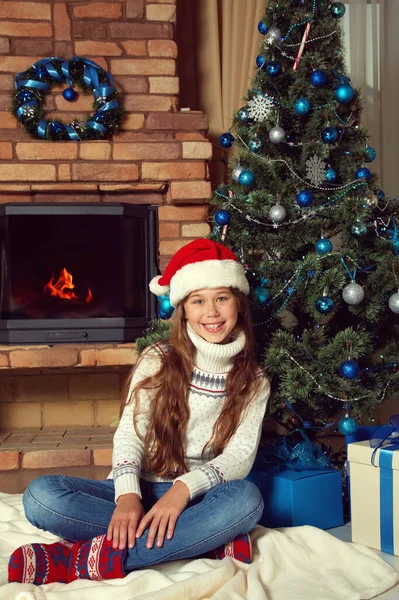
{"points": [[198, 265]]}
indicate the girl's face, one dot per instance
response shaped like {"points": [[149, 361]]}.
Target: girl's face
{"points": [[212, 313]]}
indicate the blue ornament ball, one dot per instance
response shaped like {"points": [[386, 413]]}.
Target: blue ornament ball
{"points": [[349, 369], [347, 426], [370, 154], [243, 114], [363, 173], [318, 78], [163, 315], [395, 247], [255, 143], [262, 28], [99, 116], [246, 177], [323, 246], [331, 175], [222, 217], [380, 195], [359, 229], [25, 96], [304, 198], [324, 304], [165, 305], [69, 94], [260, 60], [226, 140], [329, 135], [40, 71], [56, 127], [302, 106], [344, 93], [262, 295], [273, 68], [337, 10]]}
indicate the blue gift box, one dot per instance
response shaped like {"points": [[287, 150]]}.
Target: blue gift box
{"points": [[300, 497]]}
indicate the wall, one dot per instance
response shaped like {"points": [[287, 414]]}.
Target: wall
{"points": [[160, 156]]}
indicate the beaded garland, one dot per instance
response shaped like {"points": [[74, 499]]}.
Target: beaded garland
{"points": [[32, 85]]}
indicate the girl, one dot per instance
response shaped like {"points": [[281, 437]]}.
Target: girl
{"points": [[188, 436]]}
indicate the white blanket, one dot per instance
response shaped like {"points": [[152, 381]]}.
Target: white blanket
{"points": [[296, 563]]}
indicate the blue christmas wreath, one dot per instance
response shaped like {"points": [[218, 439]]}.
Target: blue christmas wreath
{"points": [[32, 85]]}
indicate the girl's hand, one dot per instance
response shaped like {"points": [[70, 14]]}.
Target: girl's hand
{"points": [[163, 515], [123, 525]]}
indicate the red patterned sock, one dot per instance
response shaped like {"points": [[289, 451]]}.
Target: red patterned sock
{"points": [[96, 559], [240, 548], [40, 563], [65, 561]]}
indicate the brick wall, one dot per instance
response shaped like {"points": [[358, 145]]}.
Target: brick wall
{"points": [[133, 40], [160, 156], [61, 398]]}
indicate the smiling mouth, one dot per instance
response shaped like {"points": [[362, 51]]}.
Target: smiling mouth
{"points": [[212, 328]]}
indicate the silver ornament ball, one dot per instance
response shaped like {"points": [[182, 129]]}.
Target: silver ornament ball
{"points": [[393, 302], [273, 36], [277, 213], [372, 200], [277, 135], [236, 172], [353, 293]]}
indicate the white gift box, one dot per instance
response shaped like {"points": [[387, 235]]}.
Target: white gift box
{"points": [[374, 493]]}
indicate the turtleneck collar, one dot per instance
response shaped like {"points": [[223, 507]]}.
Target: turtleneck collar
{"points": [[215, 358]]}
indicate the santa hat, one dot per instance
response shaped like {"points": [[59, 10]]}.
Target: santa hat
{"points": [[201, 264]]}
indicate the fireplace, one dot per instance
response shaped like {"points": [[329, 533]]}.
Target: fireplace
{"points": [[76, 272]]}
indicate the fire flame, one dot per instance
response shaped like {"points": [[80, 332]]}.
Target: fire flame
{"points": [[63, 287]]}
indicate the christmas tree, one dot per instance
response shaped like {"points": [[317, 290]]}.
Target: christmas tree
{"points": [[306, 216]]}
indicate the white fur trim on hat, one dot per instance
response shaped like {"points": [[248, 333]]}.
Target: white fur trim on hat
{"points": [[207, 274], [158, 290]]}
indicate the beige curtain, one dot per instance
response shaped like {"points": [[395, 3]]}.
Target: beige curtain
{"points": [[373, 57], [372, 42], [218, 41]]}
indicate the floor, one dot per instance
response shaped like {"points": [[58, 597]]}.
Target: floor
{"points": [[344, 533], [58, 438], [14, 482]]}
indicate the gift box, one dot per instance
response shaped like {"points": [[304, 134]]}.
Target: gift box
{"points": [[374, 494], [307, 497]]}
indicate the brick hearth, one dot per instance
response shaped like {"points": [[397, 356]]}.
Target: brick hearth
{"points": [[47, 448], [159, 157]]}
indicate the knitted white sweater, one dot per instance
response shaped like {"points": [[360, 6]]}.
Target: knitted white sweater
{"points": [[206, 398]]}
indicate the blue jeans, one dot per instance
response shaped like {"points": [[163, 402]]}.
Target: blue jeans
{"points": [[80, 509]]}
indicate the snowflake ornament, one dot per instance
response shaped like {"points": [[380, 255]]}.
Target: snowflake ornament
{"points": [[78, 125], [260, 108], [315, 170], [29, 111]]}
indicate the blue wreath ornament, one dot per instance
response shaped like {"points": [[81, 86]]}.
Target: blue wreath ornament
{"points": [[32, 85]]}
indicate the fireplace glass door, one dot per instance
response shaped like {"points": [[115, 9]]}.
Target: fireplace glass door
{"points": [[76, 272]]}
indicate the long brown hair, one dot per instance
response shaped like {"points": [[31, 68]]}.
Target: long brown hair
{"points": [[170, 412]]}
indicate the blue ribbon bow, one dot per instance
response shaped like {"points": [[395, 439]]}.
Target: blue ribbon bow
{"points": [[386, 437], [294, 451], [393, 232]]}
